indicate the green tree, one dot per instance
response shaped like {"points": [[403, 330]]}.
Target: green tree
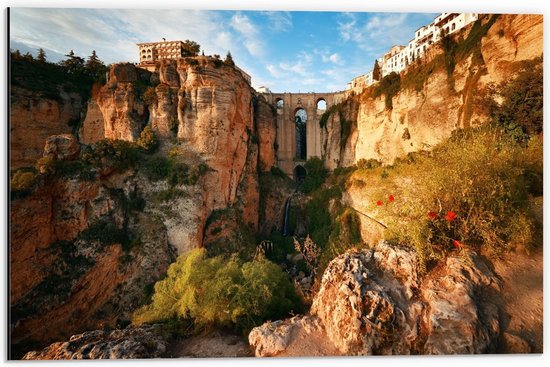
{"points": [[191, 48], [95, 67], [73, 64], [148, 141], [229, 59], [376, 75], [41, 55]]}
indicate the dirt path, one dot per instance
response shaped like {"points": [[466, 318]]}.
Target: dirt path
{"points": [[522, 277], [216, 344]]}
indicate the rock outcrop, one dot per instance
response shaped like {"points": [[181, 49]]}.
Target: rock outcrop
{"points": [[62, 147], [130, 343], [212, 113], [375, 302], [80, 259], [34, 118]]}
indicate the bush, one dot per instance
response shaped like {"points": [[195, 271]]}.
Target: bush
{"points": [[46, 165], [23, 181], [148, 140], [162, 168], [520, 112], [316, 175], [471, 192], [220, 292], [119, 154]]}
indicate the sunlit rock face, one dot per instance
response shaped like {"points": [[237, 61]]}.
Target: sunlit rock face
{"points": [[423, 116], [375, 302]]}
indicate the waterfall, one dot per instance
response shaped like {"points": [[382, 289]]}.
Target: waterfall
{"points": [[286, 216]]}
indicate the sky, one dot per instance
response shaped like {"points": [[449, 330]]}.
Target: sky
{"points": [[295, 51]]}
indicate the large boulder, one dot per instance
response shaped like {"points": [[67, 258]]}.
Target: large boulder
{"points": [[374, 301], [62, 147], [364, 304]]}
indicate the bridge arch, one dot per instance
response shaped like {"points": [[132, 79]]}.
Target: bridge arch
{"points": [[287, 105], [321, 105]]}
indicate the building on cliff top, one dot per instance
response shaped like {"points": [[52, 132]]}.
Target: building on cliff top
{"points": [[151, 52], [398, 58]]}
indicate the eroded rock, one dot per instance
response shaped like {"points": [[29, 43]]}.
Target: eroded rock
{"points": [[62, 147], [374, 301], [129, 343]]}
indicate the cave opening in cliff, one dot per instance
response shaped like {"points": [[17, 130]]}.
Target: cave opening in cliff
{"points": [[301, 118]]}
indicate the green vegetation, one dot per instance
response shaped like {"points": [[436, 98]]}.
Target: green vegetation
{"points": [[472, 191], [221, 292], [74, 74], [23, 181], [316, 175], [389, 86], [175, 173], [520, 111], [119, 154], [148, 140]]}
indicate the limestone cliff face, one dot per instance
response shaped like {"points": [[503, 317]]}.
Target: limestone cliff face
{"points": [[34, 118], [423, 118], [208, 111], [71, 270]]}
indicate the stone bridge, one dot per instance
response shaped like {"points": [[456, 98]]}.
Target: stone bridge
{"points": [[289, 105]]}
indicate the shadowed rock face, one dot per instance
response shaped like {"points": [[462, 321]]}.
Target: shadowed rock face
{"points": [[130, 343], [374, 302]]}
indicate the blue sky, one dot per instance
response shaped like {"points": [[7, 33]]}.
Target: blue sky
{"points": [[285, 51]]}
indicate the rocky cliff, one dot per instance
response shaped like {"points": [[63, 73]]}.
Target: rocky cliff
{"points": [[87, 241], [430, 103], [33, 118], [205, 109]]}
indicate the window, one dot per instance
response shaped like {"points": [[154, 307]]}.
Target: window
{"points": [[453, 26]]}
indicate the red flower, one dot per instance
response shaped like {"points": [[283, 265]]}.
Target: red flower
{"points": [[457, 244], [379, 203], [450, 216], [432, 215], [391, 198]]}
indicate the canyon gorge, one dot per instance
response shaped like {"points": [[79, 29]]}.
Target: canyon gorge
{"points": [[102, 222]]}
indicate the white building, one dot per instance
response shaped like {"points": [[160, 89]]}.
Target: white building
{"points": [[263, 89], [398, 58]]}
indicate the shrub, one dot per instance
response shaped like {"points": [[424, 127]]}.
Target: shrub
{"points": [[148, 140], [105, 232], [316, 175], [46, 165], [471, 192], [117, 153], [520, 112], [277, 172], [220, 292], [156, 168], [23, 181]]}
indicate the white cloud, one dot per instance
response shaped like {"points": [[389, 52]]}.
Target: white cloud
{"points": [[248, 30], [279, 21], [114, 32], [335, 58]]}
